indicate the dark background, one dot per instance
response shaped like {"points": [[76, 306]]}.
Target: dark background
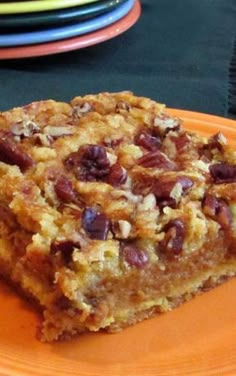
{"points": [[179, 53]]}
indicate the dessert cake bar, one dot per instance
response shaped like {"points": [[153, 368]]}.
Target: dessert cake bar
{"points": [[111, 212]]}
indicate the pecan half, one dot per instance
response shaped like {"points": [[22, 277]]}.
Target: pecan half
{"points": [[134, 256], [89, 163]]}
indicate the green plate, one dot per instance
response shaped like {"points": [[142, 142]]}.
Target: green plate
{"points": [[57, 17]]}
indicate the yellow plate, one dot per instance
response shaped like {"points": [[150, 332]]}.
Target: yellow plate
{"points": [[39, 5], [196, 339]]}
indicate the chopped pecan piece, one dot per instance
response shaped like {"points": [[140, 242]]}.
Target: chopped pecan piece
{"points": [[95, 224], [148, 141], [165, 124], [122, 105], [117, 175], [158, 160], [57, 131], [181, 141], [143, 184], [125, 228], [216, 142], [64, 190], [223, 173], [42, 139], [65, 248], [218, 210], [134, 256], [24, 128], [10, 153], [169, 191], [82, 109], [172, 244], [224, 216], [210, 205]]}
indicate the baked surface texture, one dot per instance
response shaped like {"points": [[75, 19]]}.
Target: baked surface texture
{"points": [[111, 212]]}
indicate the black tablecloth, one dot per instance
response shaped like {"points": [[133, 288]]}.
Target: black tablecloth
{"points": [[181, 52]]}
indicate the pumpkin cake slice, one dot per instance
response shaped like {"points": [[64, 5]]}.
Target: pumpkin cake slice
{"points": [[111, 212]]}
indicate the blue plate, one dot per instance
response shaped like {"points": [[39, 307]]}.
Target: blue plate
{"points": [[57, 17], [59, 33]]}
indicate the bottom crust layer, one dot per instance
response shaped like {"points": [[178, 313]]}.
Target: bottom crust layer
{"points": [[191, 289]]}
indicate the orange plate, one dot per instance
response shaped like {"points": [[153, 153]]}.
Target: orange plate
{"points": [[197, 338], [77, 42]]}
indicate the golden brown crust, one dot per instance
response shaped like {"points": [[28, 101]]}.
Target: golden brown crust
{"points": [[109, 209]]}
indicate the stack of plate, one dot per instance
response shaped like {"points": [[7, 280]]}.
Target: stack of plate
{"points": [[44, 27]]}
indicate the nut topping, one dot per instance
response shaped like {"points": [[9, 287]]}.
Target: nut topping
{"points": [[223, 215], [112, 158], [169, 191], [89, 163], [59, 131], [223, 173], [218, 210], [82, 109], [158, 160], [180, 141], [24, 128], [64, 190], [42, 139], [210, 205], [148, 203], [95, 224], [64, 247], [174, 237], [117, 175], [125, 228], [216, 142], [111, 143], [219, 140], [122, 105], [148, 141], [165, 123], [11, 154], [134, 256]]}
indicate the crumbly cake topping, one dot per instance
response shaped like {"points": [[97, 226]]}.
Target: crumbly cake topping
{"points": [[109, 182]]}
